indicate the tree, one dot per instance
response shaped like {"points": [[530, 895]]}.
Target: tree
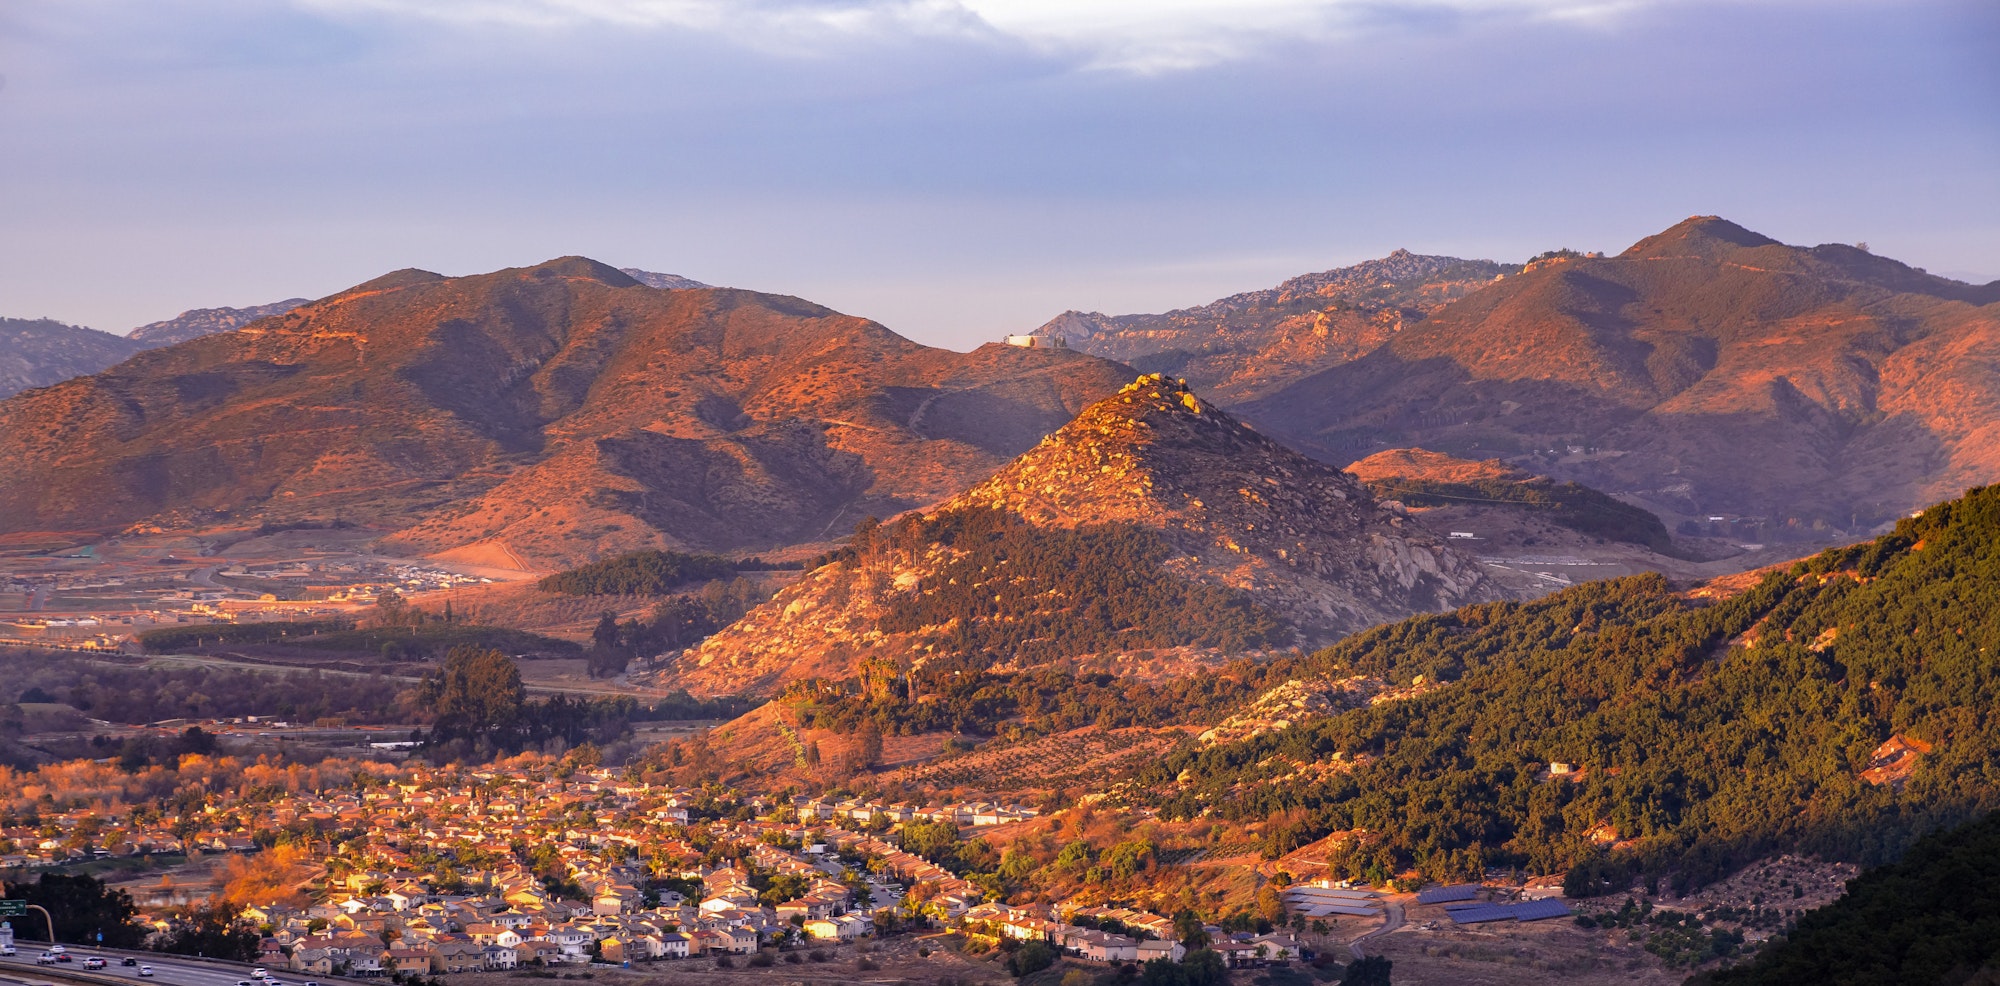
{"points": [[1189, 929], [478, 690], [82, 907], [1204, 967], [1030, 958], [605, 637], [1370, 971], [1162, 972], [868, 748]]}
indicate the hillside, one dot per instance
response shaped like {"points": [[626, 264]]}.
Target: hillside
{"points": [[1152, 525], [1836, 707], [1248, 345], [206, 321], [1931, 917], [40, 352], [1420, 478], [1707, 371], [535, 417]]}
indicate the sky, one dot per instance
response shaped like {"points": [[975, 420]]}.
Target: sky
{"points": [[959, 169]]}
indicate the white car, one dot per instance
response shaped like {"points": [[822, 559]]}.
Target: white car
{"points": [[146, 970], [260, 973]]}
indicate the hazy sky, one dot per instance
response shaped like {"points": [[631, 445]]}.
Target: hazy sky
{"points": [[960, 168]]}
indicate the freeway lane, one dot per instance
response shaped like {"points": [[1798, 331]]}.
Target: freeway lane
{"points": [[168, 970]]}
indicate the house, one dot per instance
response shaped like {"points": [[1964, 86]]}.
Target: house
{"points": [[673, 945], [743, 940], [1172, 951], [315, 959], [500, 956], [461, 956], [846, 927], [1102, 946], [1236, 954], [1280, 948], [537, 952], [409, 961]]}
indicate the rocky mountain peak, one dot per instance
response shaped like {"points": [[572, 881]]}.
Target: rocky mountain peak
{"points": [[1246, 510]]}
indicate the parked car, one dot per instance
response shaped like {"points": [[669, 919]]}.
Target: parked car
{"points": [[146, 970]]}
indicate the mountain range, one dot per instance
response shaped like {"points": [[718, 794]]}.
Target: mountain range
{"points": [[535, 417], [1733, 385], [40, 352], [1790, 393]]}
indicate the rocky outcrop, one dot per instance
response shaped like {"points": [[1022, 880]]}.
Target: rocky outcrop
{"points": [[200, 322]]}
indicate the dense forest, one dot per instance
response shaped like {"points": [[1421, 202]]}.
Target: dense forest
{"points": [[1576, 507], [1008, 591], [1933, 917], [649, 573], [1038, 701], [1706, 732]]}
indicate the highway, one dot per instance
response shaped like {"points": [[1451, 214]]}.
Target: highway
{"points": [[168, 970]]}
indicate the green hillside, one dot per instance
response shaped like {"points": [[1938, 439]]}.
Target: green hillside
{"points": [[1708, 731], [1934, 917]]}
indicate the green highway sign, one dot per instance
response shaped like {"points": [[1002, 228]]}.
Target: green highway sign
{"points": [[13, 908]]}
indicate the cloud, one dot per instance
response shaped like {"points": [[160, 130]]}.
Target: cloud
{"points": [[1138, 36]]}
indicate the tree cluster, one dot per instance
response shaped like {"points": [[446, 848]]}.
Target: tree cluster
{"points": [[649, 573]]}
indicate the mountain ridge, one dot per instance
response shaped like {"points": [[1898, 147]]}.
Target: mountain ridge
{"points": [[1228, 347], [1705, 370], [539, 415]]}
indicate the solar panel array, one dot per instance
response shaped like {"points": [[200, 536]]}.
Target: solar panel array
{"points": [[1439, 895], [1322, 910], [1319, 902], [1330, 892], [1534, 910]]}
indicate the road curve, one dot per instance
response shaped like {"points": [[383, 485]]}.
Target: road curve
{"points": [[1392, 918]]}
